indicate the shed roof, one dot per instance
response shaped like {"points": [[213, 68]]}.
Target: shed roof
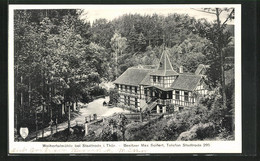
{"points": [[132, 76], [200, 68], [159, 87], [186, 82]]}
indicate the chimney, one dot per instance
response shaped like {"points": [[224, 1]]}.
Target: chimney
{"points": [[181, 69]]}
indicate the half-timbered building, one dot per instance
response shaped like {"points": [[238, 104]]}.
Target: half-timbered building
{"points": [[157, 89]]}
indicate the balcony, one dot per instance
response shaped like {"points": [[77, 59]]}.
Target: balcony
{"points": [[164, 101]]}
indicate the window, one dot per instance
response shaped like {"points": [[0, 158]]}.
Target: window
{"points": [[130, 89], [128, 100], [125, 100], [135, 89], [136, 103], [159, 79], [177, 95], [125, 88], [154, 78], [186, 96]]}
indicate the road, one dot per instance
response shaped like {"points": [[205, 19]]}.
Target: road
{"points": [[95, 107]]}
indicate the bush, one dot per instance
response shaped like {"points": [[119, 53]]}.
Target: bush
{"points": [[205, 131], [107, 135], [198, 132], [187, 136], [98, 91], [193, 123], [135, 132], [113, 96], [78, 130]]}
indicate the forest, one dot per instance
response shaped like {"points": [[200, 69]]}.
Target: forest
{"points": [[60, 59]]}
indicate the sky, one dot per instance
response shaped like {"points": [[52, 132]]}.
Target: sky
{"points": [[109, 12]]}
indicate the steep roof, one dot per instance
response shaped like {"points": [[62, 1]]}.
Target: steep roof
{"points": [[165, 67], [186, 82], [132, 76], [164, 73], [200, 68], [146, 80]]}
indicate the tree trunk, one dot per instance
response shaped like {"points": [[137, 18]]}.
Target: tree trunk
{"points": [[43, 108], [223, 91], [22, 99], [223, 82], [16, 125], [51, 121], [50, 102], [74, 106], [56, 124], [116, 65], [62, 109], [69, 117], [36, 124], [141, 116], [29, 94], [42, 120], [16, 100]]}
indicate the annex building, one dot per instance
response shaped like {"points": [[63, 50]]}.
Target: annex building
{"points": [[157, 89]]}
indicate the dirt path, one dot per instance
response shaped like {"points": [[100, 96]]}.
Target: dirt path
{"points": [[95, 107]]}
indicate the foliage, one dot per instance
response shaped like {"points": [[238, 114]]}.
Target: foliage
{"points": [[51, 60], [118, 45], [107, 135], [114, 128], [199, 122], [113, 96], [220, 40], [98, 91], [142, 39], [198, 132]]}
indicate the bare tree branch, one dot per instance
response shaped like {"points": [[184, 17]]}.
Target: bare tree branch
{"points": [[204, 11], [229, 17]]}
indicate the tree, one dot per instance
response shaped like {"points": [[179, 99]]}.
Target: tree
{"points": [[51, 61], [118, 45], [102, 32], [220, 39]]}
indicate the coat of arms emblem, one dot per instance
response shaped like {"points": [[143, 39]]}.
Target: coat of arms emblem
{"points": [[24, 131]]}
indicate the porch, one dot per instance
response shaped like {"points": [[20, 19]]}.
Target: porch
{"points": [[162, 97]]}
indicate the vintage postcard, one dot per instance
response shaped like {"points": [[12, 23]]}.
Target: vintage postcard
{"points": [[126, 79]]}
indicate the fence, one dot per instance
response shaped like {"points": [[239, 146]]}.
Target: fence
{"points": [[141, 116]]}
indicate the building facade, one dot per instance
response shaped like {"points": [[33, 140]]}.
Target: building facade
{"points": [[158, 89]]}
